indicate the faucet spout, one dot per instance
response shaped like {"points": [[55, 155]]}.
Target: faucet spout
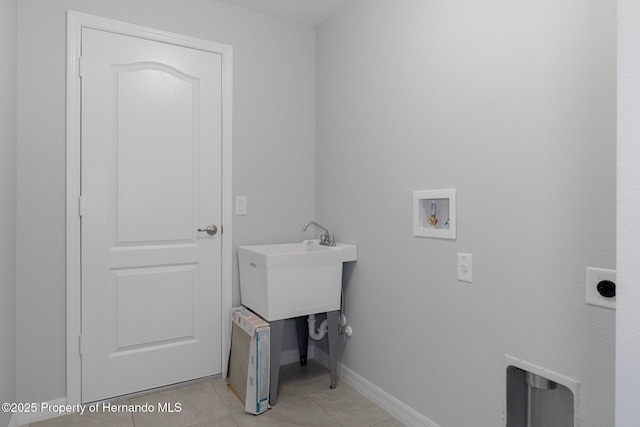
{"points": [[326, 239], [304, 227]]}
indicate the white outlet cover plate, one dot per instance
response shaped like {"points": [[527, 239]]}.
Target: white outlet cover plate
{"points": [[595, 276], [241, 205], [465, 268]]}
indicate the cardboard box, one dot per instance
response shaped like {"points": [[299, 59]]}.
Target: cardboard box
{"points": [[248, 373]]}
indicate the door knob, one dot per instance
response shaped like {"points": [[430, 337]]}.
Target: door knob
{"points": [[211, 230]]}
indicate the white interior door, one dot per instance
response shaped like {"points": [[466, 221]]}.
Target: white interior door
{"points": [[151, 176]]}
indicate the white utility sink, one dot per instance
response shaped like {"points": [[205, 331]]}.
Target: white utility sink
{"points": [[286, 280]]}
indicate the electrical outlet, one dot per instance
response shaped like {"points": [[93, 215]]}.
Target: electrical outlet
{"points": [[465, 268], [594, 277]]}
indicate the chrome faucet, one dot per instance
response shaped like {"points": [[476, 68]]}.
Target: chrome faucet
{"points": [[326, 239]]}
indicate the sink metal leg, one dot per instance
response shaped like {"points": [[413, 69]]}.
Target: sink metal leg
{"points": [[275, 348], [333, 321], [302, 329]]}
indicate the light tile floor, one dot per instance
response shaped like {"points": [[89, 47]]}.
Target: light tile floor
{"points": [[304, 399]]}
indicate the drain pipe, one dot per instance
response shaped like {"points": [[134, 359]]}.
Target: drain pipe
{"points": [[322, 329]]}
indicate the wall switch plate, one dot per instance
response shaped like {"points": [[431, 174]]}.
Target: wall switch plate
{"points": [[595, 276], [465, 267], [241, 205]]}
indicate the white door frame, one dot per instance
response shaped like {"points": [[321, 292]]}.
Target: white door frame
{"points": [[75, 22]]}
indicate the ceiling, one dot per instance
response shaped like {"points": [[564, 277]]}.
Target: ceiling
{"points": [[307, 12]]}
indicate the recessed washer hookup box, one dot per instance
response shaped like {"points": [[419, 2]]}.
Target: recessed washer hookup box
{"points": [[248, 373]]}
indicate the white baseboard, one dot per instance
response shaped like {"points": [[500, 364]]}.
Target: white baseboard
{"points": [[293, 356], [400, 411], [26, 418], [289, 356], [321, 357]]}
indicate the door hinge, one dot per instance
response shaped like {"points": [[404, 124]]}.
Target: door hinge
{"points": [[80, 62], [80, 206], [80, 344]]}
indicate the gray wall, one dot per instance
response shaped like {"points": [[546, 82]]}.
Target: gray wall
{"points": [[513, 104], [8, 32], [273, 154], [628, 302]]}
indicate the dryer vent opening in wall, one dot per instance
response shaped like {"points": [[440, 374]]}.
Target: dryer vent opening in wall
{"points": [[537, 397]]}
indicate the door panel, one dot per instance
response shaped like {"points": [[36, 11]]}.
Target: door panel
{"points": [[143, 298], [150, 145], [151, 176]]}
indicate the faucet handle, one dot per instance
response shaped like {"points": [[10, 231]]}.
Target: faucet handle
{"points": [[327, 240]]}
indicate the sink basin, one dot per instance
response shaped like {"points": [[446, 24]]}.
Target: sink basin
{"points": [[286, 280]]}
